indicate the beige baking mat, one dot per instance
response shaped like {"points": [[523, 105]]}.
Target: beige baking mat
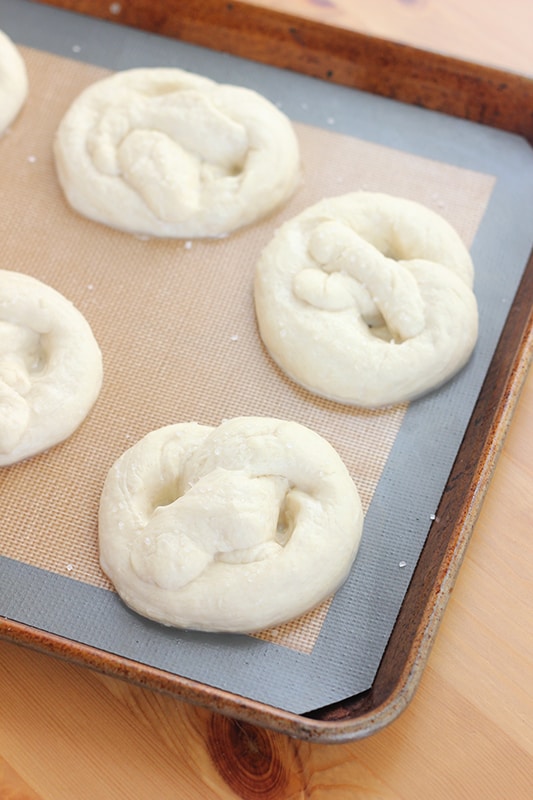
{"points": [[176, 325]]}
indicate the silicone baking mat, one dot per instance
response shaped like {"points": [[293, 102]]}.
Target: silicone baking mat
{"points": [[176, 326]]}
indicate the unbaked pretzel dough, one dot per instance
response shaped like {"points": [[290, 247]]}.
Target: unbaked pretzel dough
{"points": [[164, 152], [366, 299], [50, 367], [235, 528], [13, 81]]}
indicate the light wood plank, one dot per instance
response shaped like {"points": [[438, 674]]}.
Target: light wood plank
{"points": [[497, 33]]}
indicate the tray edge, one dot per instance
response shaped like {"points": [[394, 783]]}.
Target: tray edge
{"points": [[453, 86], [340, 724]]}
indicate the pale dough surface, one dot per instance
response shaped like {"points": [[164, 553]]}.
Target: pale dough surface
{"points": [[165, 152], [50, 367], [367, 299], [13, 81], [234, 528]]}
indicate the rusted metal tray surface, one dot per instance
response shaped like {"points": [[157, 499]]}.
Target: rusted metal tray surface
{"points": [[489, 96]]}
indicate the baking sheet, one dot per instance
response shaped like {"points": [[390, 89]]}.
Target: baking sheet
{"points": [[175, 321]]}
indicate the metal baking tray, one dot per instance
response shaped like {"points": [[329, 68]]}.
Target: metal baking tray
{"points": [[460, 89]]}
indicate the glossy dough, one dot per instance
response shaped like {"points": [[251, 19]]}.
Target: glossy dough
{"points": [[367, 299], [13, 81], [164, 152], [235, 528], [50, 367]]}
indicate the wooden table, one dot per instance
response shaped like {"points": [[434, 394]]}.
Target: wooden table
{"points": [[66, 732]]}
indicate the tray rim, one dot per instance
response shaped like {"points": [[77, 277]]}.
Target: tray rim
{"points": [[356, 718], [480, 93], [343, 723]]}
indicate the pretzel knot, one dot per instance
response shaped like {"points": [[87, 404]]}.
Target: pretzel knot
{"points": [[366, 299], [235, 528], [165, 152], [50, 367]]}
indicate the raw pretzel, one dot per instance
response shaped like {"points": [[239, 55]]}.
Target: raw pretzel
{"points": [[50, 367], [235, 528], [366, 299], [165, 152], [13, 81]]}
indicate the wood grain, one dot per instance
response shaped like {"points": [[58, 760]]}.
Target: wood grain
{"points": [[429, 79], [67, 732], [453, 28], [467, 733]]}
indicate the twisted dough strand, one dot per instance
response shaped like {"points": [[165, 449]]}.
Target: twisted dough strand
{"points": [[235, 528], [50, 367], [164, 152], [366, 299]]}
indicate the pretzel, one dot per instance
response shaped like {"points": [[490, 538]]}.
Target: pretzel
{"points": [[164, 152], [366, 299], [234, 528], [50, 367], [13, 81]]}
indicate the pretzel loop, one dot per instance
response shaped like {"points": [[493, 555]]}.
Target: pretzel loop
{"points": [[50, 367], [233, 528], [366, 299], [383, 290], [165, 152]]}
